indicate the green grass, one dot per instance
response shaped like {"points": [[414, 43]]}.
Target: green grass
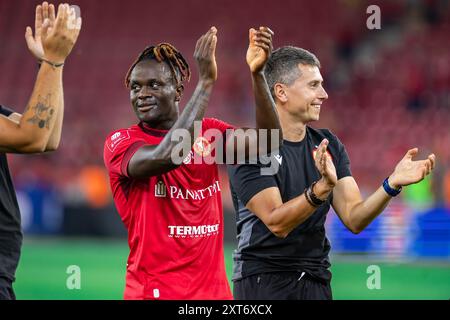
{"points": [[398, 281], [42, 269], [42, 273]]}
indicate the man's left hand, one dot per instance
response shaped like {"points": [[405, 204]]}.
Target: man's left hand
{"points": [[409, 171]]}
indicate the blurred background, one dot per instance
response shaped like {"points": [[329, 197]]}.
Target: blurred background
{"points": [[389, 90]]}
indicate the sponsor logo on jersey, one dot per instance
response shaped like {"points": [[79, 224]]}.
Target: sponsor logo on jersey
{"points": [[193, 231], [160, 190], [174, 192], [116, 139], [202, 147]]}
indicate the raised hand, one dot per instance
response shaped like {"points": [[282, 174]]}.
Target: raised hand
{"points": [[409, 171], [204, 54], [259, 48], [59, 38], [45, 16], [325, 164]]}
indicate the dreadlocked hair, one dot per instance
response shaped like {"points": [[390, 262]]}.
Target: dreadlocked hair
{"points": [[168, 53]]}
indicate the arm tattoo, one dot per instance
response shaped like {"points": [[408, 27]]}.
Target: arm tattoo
{"points": [[201, 100], [43, 112], [195, 109]]}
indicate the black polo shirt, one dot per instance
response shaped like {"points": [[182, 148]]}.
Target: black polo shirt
{"points": [[306, 248]]}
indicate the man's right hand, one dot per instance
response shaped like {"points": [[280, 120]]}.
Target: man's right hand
{"points": [[58, 38], [204, 54], [259, 48], [327, 169]]}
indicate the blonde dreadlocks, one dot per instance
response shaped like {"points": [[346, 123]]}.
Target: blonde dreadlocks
{"points": [[168, 53]]}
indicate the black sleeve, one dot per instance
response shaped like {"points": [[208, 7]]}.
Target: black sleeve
{"points": [[5, 111], [247, 181], [343, 163]]}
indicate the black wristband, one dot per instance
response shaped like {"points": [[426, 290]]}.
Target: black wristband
{"points": [[314, 199], [5, 111], [53, 64], [390, 191], [308, 198]]}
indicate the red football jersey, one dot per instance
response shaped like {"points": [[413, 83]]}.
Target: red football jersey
{"points": [[174, 220]]}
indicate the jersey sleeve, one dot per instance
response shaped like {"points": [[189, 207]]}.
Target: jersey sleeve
{"points": [[212, 123], [343, 162], [247, 181], [119, 148]]}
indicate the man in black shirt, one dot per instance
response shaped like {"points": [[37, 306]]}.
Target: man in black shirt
{"points": [[283, 249], [38, 129]]}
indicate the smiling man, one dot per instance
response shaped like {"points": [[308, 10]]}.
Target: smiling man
{"points": [[172, 210], [283, 249]]}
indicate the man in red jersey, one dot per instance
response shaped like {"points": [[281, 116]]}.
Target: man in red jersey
{"points": [[173, 209]]}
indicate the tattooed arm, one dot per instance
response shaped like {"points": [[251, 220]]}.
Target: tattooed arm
{"points": [[36, 128], [32, 132], [55, 135], [45, 14]]}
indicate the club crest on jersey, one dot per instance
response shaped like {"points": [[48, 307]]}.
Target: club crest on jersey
{"points": [[315, 152], [189, 157], [160, 190], [202, 147]]}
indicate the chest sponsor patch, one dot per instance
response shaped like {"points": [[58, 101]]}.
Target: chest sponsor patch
{"points": [[193, 231], [175, 192]]}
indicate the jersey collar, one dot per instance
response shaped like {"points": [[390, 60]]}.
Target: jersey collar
{"points": [[151, 131]]}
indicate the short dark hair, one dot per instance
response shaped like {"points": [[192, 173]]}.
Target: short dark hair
{"points": [[282, 66], [164, 52]]}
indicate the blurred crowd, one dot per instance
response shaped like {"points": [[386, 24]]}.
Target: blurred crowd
{"points": [[389, 89]]}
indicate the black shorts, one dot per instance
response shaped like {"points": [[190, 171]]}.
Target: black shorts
{"points": [[6, 289], [282, 286]]}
